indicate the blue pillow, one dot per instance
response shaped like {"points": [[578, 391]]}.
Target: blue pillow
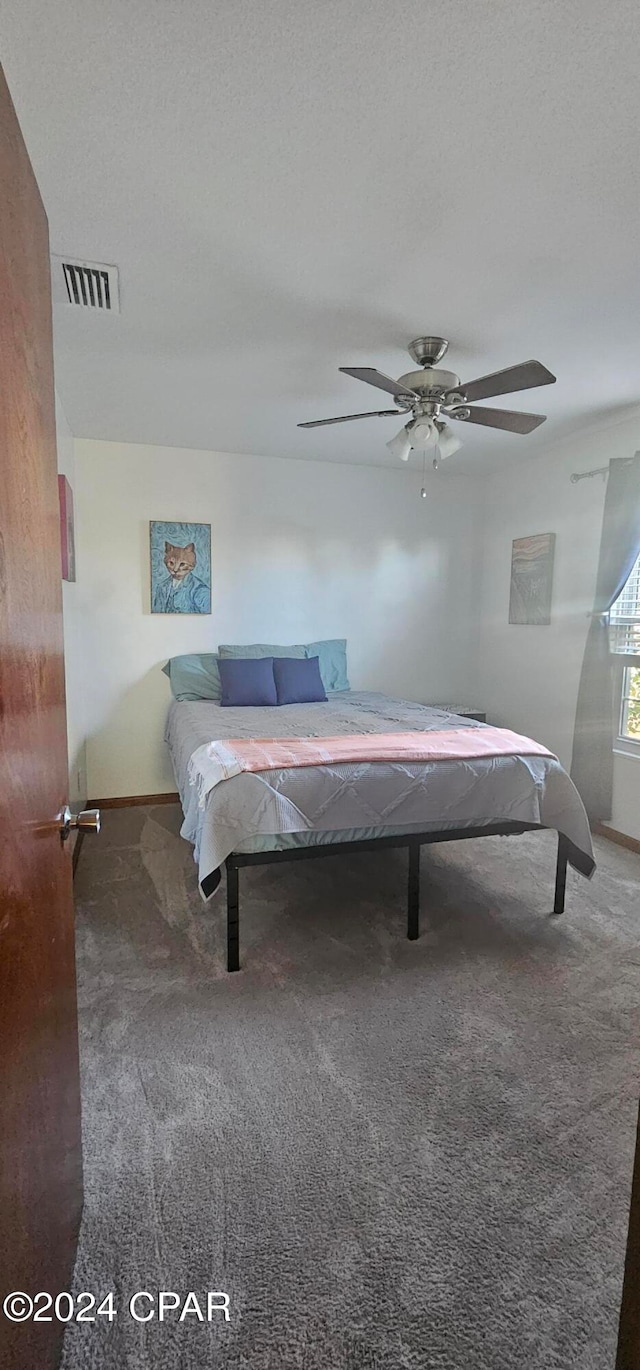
{"points": [[247, 680], [332, 656], [194, 676], [259, 649], [298, 682]]}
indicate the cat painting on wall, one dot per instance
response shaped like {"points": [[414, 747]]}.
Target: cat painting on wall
{"points": [[180, 568]]}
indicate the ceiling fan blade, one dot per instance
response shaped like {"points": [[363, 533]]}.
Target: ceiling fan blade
{"points": [[522, 377], [514, 421], [344, 418], [373, 377]]}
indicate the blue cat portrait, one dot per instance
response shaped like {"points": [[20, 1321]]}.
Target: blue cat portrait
{"points": [[180, 568]]}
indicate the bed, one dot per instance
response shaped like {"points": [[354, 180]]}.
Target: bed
{"points": [[310, 811]]}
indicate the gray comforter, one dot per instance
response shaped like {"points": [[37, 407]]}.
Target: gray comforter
{"points": [[309, 805]]}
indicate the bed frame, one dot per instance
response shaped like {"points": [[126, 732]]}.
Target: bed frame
{"points": [[413, 841]]}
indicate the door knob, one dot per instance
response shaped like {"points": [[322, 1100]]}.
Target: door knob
{"points": [[88, 820]]}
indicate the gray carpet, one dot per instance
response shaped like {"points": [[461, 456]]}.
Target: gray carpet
{"points": [[389, 1154]]}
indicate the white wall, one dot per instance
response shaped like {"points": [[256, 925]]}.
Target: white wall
{"points": [[625, 815], [300, 550], [74, 654], [528, 676]]}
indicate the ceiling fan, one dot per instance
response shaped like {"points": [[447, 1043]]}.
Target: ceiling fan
{"points": [[433, 396]]}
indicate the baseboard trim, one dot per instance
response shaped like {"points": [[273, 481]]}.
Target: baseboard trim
{"points": [[620, 838], [125, 801]]}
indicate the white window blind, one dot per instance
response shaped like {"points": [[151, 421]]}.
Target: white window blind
{"points": [[624, 618]]}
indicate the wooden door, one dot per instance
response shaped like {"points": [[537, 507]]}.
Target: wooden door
{"points": [[629, 1333], [40, 1159]]}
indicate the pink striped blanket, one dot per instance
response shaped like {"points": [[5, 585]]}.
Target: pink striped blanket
{"points": [[225, 759]]}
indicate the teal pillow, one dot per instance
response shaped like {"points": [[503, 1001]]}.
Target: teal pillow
{"points": [[259, 649], [332, 658], [194, 676]]}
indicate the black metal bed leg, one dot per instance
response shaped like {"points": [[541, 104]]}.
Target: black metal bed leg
{"points": [[233, 916], [561, 875], [413, 892]]}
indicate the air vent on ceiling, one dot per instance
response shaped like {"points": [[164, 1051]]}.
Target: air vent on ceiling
{"points": [[89, 285]]}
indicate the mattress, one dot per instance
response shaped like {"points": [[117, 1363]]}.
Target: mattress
{"points": [[314, 805]]}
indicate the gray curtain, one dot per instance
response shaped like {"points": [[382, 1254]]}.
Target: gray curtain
{"points": [[592, 761]]}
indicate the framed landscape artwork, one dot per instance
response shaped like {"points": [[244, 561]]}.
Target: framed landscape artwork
{"points": [[180, 568], [67, 533], [531, 578]]}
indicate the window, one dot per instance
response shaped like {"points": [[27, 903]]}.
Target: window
{"points": [[624, 633], [624, 619], [630, 710]]}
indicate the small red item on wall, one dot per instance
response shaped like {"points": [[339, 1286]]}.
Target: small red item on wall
{"points": [[67, 538]]}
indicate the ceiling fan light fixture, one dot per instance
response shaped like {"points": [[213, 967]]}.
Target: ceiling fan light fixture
{"points": [[423, 433], [447, 442], [400, 446]]}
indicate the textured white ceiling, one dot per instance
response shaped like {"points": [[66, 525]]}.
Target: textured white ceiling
{"points": [[292, 185]]}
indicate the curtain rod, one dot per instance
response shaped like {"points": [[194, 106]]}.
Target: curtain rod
{"points": [[585, 475], [599, 471]]}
